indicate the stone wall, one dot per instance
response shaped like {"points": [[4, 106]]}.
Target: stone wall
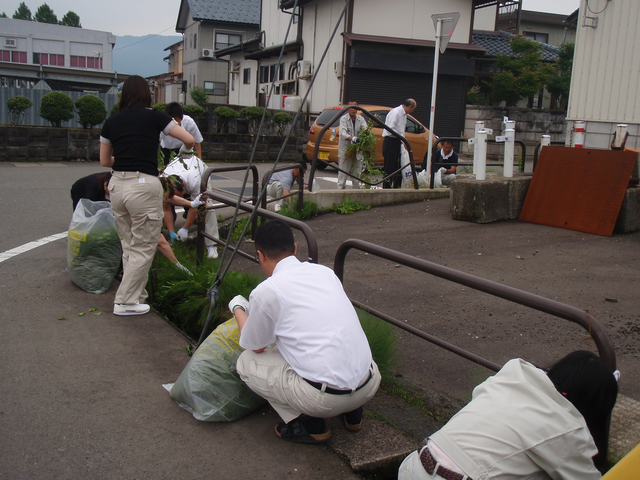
{"points": [[40, 144], [531, 124]]}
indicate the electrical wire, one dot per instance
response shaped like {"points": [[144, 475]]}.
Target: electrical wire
{"points": [[601, 11], [143, 40], [214, 290]]}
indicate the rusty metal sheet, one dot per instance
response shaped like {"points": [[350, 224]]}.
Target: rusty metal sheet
{"points": [[578, 188]]}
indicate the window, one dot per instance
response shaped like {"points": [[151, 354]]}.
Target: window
{"points": [[272, 73], [282, 76], [215, 88], [538, 37], [246, 76], [264, 74], [195, 41], [11, 56], [224, 40], [85, 62], [233, 82]]}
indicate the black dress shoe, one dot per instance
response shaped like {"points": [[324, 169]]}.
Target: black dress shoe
{"points": [[304, 429]]}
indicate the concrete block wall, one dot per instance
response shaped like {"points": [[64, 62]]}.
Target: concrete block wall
{"points": [[38, 144]]}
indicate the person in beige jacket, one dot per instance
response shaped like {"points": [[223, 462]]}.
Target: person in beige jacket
{"points": [[351, 124]]}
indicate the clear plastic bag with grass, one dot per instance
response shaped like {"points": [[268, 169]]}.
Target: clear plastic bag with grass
{"points": [[209, 387], [93, 246]]}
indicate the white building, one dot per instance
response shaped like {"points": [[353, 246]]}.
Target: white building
{"points": [[209, 25], [382, 54], [605, 82], [36, 58]]}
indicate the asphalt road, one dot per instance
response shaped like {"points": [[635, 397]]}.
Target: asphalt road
{"points": [[63, 415]]}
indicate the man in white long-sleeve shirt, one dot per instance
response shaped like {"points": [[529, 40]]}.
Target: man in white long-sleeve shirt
{"points": [[397, 121]]}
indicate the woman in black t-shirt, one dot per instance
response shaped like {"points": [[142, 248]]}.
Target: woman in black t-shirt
{"points": [[129, 145]]}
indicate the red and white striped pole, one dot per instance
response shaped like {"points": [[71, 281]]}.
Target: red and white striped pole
{"points": [[578, 136]]}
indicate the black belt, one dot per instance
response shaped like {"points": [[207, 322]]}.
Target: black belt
{"points": [[334, 391], [434, 468]]}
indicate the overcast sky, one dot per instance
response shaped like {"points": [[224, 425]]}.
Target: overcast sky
{"points": [[144, 17]]}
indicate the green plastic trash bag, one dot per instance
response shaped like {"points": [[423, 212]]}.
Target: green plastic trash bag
{"points": [[209, 387], [93, 246]]}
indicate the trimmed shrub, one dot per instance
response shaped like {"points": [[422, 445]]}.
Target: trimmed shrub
{"points": [[91, 111], [225, 114], [281, 120], [17, 107], [159, 106], [115, 109], [56, 107], [195, 111], [253, 116]]}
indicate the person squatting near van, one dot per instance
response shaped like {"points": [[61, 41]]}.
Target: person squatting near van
{"points": [[280, 184], [525, 422], [321, 365]]}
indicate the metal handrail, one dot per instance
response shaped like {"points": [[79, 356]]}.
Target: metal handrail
{"points": [[267, 176], [312, 243], [466, 164], [542, 304], [314, 160], [536, 151]]}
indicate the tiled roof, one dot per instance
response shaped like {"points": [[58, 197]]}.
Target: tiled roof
{"points": [[232, 11], [497, 43]]}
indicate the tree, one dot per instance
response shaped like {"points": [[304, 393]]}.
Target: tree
{"points": [[71, 19], [44, 14], [523, 75], [559, 84], [56, 107], [91, 111], [17, 107], [199, 95], [3, 15], [22, 13]]}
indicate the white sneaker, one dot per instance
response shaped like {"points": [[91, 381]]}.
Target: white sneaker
{"points": [[212, 251], [137, 309]]}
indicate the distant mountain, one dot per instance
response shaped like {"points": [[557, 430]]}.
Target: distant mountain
{"points": [[142, 55]]}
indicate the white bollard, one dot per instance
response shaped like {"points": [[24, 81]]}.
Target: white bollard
{"points": [[509, 124], [545, 140], [509, 144], [481, 163], [621, 135], [479, 126]]}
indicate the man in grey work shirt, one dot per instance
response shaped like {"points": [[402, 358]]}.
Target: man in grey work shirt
{"points": [[397, 121], [280, 184]]}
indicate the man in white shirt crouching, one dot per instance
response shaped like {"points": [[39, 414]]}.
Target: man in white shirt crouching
{"points": [[321, 366]]}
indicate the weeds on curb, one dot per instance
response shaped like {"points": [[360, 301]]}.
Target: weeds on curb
{"points": [[349, 206]]}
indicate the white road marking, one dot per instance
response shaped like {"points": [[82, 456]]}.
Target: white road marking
{"points": [[30, 246]]}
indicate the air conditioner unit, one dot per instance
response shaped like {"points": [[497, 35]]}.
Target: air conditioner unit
{"points": [[305, 71], [10, 42], [235, 66], [207, 52]]}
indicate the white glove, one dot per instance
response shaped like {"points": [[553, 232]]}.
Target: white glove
{"points": [[183, 233], [196, 202], [239, 302], [443, 170], [185, 152], [355, 139]]}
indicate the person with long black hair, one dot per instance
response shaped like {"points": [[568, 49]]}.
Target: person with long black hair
{"points": [[129, 144], [525, 422]]}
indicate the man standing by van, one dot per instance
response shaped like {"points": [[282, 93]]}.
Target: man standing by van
{"points": [[397, 121]]}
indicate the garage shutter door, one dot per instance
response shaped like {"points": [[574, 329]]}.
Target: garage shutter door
{"points": [[380, 87]]}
